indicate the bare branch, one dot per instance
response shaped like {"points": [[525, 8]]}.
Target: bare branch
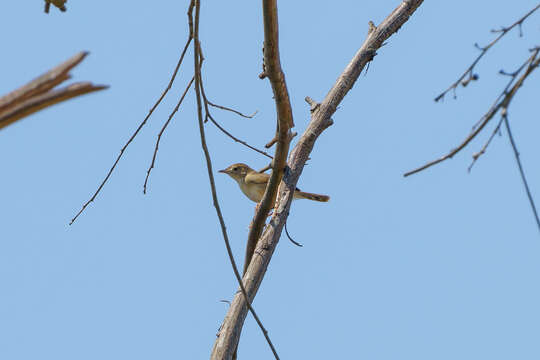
{"points": [[226, 345], [208, 116], [274, 73], [232, 110], [173, 76], [290, 238], [502, 101], [469, 72], [237, 139], [297, 159], [45, 100], [271, 142], [161, 133], [197, 69], [521, 171], [266, 168], [40, 93], [482, 151]]}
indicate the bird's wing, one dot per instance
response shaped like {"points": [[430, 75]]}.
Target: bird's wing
{"points": [[257, 178]]}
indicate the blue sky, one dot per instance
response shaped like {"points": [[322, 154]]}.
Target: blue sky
{"points": [[441, 265]]}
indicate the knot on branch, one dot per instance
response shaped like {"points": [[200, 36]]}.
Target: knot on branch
{"points": [[372, 27], [312, 103]]}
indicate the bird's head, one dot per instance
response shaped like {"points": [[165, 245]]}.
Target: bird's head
{"points": [[237, 171]]}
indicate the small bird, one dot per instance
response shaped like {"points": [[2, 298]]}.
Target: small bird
{"points": [[253, 184]]}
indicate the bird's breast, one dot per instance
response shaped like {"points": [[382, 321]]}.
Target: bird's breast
{"points": [[254, 192]]}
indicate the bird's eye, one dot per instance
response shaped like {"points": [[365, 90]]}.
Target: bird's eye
{"points": [[235, 168]]}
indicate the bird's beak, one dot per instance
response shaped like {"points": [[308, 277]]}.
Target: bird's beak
{"points": [[223, 171]]}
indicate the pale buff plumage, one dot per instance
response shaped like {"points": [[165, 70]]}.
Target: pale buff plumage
{"points": [[253, 184]]}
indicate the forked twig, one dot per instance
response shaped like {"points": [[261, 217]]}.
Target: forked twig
{"points": [[190, 37], [161, 133], [502, 101], [208, 116], [470, 70], [482, 151], [211, 118]]}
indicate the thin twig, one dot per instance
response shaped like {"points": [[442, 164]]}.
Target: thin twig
{"points": [[161, 133], [290, 238], [521, 171], [232, 110], [197, 70], [266, 168], [482, 151], [271, 142], [237, 139], [502, 101], [190, 37], [208, 116], [469, 71]]}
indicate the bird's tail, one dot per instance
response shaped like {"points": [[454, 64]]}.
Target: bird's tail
{"points": [[310, 196]]}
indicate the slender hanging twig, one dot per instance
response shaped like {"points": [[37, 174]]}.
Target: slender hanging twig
{"points": [[197, 70], [521, 171]]}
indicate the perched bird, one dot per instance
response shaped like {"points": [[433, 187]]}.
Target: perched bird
{"points": [[253, 184]]}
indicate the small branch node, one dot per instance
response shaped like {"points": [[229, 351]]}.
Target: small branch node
{"points": [[329, 123], [267, 167], [271, 142], [372, 27], [312, 103], [292, 135]]}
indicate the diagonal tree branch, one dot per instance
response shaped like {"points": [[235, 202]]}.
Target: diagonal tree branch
{"points": [[320, 120], [40, 93]]}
